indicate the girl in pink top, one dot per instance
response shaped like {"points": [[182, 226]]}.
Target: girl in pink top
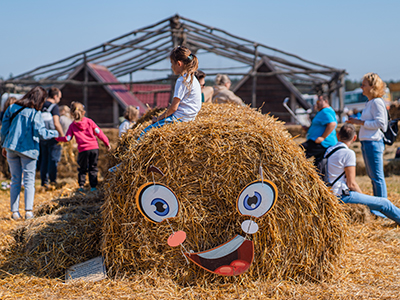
{"points": [[85, 132]]}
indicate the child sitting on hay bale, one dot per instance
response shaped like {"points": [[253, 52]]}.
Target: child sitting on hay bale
{"points": [[131, 115], [85, 132], [187, 96]]}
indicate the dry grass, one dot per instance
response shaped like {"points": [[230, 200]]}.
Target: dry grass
{"points": [[368, 269], [66, 230]]}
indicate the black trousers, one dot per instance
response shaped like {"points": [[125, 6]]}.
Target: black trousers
{"points": [[87, 161], [313, 149]]}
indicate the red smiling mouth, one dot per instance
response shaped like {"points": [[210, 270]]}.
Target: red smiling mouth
{"points": [[231, 258]]}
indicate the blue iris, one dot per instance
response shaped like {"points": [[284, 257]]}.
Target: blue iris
{"points": [[162, 207], [251, 203]]}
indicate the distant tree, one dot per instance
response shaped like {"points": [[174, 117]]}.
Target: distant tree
{"points": [[352, 85], [209, 82]]}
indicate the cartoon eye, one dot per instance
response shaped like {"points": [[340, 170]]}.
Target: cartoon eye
{"points": [[257, 198], [251, 203], [156, 202], [162, 207]]}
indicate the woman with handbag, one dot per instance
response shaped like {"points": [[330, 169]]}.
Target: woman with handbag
{"points": [[374, 120], [21, 131]]}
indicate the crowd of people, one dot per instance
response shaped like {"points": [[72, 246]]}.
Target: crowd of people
{"points": [[32, 128], [373, 121], [25, 133]]}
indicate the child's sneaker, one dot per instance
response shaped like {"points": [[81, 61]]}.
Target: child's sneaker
{"points": [[81, 189], [93, 189], [28, 215], [15, 216]]}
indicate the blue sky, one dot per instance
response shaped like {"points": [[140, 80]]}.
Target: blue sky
{"points": [[359, 36]]}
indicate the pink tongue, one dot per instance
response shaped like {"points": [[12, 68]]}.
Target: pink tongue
{"points": [[236, 267]]}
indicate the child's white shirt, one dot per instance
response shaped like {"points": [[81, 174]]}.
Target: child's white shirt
{"points": [[190, 101]]}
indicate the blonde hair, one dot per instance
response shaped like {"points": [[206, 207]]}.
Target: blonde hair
{"points": [[77, 111], [189, 60], [378, 87], [222, 79], [65, 110], [131, 113], [9, 101]]}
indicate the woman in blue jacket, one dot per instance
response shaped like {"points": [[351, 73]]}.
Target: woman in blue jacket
{"points": [[22, 129]]}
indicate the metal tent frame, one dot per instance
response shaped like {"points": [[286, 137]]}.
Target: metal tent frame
{"points": [[140, 49]]}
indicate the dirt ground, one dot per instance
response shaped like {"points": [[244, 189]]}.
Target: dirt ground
{"points": [[369, 269]]}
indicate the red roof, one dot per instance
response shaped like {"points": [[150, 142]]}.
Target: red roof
{"points": [[120, 92], [161, 92]]}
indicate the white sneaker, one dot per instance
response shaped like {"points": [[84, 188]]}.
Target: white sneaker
{"points": [[29, 215], [15, 216]]}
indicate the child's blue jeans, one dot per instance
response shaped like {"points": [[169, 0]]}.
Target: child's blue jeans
{"points": [[167, 120]]}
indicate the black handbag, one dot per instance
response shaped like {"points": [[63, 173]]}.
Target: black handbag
{"points": [[391, 132]]}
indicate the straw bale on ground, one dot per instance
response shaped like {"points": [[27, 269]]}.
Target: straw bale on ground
{"points": [[357, 213], [207, 163], [394, 110], [66, 231]]}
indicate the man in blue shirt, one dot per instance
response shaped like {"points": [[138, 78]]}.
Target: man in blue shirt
{"points": [[321, 134]]}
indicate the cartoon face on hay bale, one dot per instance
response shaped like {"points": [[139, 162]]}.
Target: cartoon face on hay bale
{"points": [[237, 196], [157, 203]]}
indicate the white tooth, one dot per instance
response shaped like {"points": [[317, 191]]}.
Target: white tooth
{"points": [[224, 249], [249, 226]]}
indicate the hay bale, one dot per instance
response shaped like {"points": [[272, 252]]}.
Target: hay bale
{"points": [[207, 163], [392, 167], [394, 110], [296, 131], [357, 213], [66, 232], [148, 116]]}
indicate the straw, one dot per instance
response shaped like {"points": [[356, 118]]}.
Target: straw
{"points": [[207, 162]]}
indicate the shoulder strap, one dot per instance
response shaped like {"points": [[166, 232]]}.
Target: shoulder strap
{"points": [[329, 154], [337, 178], [388, 121], [49, 109], [333, 151], [15, 114]]}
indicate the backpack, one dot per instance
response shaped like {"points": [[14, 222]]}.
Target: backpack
{"points": [[389, 136], [323, 168], [48, 117]]}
